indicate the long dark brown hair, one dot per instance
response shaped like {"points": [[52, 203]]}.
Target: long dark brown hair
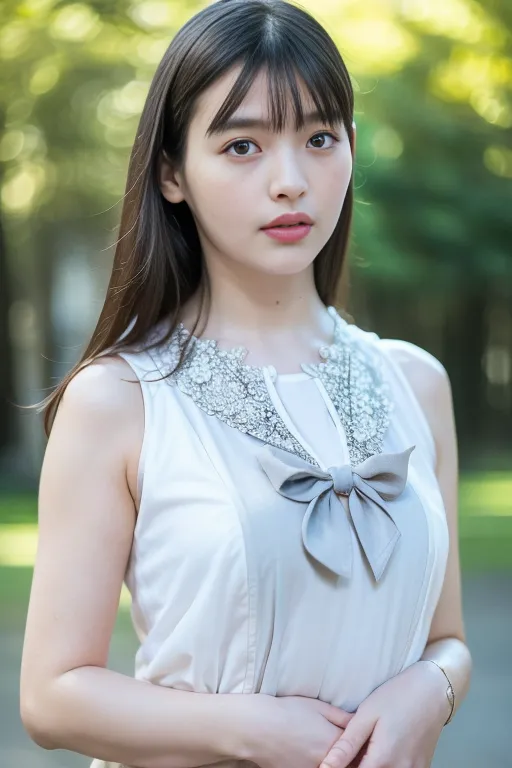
{"points": [[158, 263]]}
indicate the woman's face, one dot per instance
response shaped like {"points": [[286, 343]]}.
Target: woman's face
{"points": [[238, 181]]}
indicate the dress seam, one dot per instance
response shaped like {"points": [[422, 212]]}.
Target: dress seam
{"points": [[251, 585], [425, 583]]}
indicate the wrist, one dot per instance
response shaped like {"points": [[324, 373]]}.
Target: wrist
{"points": [[248, 719], [447, 695]]}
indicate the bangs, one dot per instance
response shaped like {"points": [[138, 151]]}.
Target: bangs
{"points": [[325, 83]]}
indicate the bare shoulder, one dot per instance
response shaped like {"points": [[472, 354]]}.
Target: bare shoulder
{"points": [[103, 402], [422, 368], [103, 386], [430, 383], [424, 372]]}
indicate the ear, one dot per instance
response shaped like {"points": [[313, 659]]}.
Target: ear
{"points": [[353, 139], [170, 180]]}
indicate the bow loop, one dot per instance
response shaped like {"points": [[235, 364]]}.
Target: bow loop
{"points": [[387, 477], [325, 527]]}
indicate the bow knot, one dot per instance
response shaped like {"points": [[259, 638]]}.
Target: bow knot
{"points": [[326, 530], [343, 481]]}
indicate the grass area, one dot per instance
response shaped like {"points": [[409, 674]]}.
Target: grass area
{"points": [[486, 494], [18, 508], [14, 596]]}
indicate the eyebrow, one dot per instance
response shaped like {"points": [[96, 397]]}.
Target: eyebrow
{"points": [[237, 123]]}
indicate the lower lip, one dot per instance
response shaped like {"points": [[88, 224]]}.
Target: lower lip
{"points": [[288, 234]]}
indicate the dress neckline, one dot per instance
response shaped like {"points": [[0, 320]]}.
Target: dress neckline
{"points": [[239, 353], [244, 396]]}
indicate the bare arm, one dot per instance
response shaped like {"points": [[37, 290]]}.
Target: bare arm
{"points": [[447, 638], [69, 700]]}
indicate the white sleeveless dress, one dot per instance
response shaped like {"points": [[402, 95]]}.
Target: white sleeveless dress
{"points": [[291, 537]]}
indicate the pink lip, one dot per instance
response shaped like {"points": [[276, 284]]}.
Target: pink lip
{"points": [[289, 227], [289, 219], [288, 234]]}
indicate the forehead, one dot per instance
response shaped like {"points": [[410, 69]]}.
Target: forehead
{"points": [[256, 102]]}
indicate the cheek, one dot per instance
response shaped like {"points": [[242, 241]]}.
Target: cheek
{"points": [[222, 197], [334, 184]]}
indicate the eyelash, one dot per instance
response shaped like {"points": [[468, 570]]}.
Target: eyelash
{"points": [[248, 141]]}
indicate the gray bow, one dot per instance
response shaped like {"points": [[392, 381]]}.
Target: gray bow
{"points": [[325, 526]]}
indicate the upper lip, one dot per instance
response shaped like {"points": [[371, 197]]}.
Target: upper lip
{"points": [[290, 218]]}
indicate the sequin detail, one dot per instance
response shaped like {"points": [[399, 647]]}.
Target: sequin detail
{"points": [[222, 385], [353, 377]]}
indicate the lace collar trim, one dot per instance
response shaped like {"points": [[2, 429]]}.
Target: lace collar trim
{"points": [[224, 386]]}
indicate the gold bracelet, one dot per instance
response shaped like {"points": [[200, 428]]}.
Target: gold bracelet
{"points": [[450, 694]]}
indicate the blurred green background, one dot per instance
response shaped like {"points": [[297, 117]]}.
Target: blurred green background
{"points": [[431, 262]]}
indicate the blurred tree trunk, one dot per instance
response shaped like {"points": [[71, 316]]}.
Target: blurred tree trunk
{"points": [[465, 343], [6, 371], [6, 358]]}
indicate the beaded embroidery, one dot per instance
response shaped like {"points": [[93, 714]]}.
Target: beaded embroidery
{"points": [[353, 378], [222, 385]]}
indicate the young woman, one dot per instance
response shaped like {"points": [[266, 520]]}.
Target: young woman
{"points": [[278, 489]]}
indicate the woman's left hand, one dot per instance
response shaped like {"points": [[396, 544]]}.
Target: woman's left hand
{"points": [[398, 724]]}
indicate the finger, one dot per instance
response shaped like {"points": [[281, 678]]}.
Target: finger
{"points": [[347, 747], [336, 715], [340, 717]]}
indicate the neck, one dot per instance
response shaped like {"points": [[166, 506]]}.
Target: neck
{"points": [[249, 308]]}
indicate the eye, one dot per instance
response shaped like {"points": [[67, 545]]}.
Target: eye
{"points": [[243, 144], [319, 136]]}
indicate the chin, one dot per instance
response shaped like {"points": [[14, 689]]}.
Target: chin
{"points": [[287, 260], [291, 264]]}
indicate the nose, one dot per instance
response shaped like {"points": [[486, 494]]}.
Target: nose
{"points": [[287, 176]]}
